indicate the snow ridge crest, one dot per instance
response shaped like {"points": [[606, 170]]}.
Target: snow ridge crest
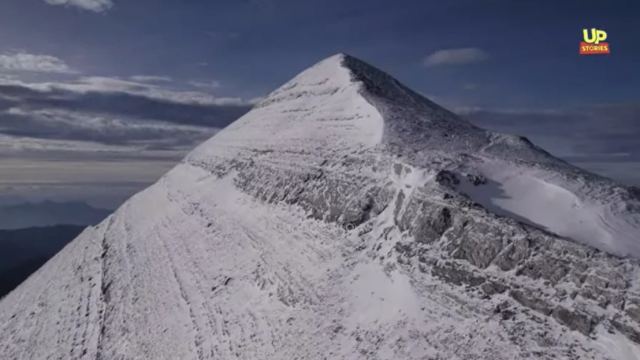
{"points": [[362, 105]]}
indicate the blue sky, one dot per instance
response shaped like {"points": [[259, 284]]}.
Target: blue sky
{"points": [[252, 46], [84, 71]]}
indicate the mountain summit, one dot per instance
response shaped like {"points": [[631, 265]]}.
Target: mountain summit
{"points": [[347, 217], [345, 103]]}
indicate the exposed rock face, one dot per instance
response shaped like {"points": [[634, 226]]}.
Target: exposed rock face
{"points": [[338, 220]]}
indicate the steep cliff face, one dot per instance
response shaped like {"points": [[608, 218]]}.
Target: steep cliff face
{"points": [[347, 217]]}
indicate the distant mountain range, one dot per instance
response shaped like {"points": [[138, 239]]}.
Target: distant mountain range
{"points": [[23, 251], [48, 213], [31, 233]]}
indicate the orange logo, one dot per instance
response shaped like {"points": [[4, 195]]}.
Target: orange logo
{"points": [[593, 43]]}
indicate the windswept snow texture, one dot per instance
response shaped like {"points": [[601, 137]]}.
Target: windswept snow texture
{"points": [[354, 107], [346, 217], [337, 117], [536, 198]]}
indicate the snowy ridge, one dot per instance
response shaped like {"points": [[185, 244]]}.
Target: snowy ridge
{"points": [[343, 105], [412, 121], [345, 217], [549, 201]]}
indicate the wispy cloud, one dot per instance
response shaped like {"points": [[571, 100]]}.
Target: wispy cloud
{"points": [[150, 78], [112, 112], [91, 5], [101, 85], [459, 56], [208, 85], [108, 130], [22, 61]]}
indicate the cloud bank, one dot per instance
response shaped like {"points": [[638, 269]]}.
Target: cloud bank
{"points": [[109, 112], [99, 138]]}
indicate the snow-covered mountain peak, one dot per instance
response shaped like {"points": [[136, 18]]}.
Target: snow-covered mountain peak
{"points": [[320, 109], [344, 104], [347, 217]]}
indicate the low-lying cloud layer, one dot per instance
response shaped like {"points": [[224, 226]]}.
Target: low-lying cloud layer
{"points": [[98, 138], [113, 112]]}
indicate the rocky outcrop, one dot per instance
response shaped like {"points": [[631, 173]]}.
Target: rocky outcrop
{"points": [[576, 286], [563, 281]]}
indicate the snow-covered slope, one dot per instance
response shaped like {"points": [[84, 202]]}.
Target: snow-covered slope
{"points": [[551, 201], [346, 217]]}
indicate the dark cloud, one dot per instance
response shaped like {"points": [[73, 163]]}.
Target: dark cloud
{"points": [[89, 138], [6, 104], [100, 128], [122, 103]]}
